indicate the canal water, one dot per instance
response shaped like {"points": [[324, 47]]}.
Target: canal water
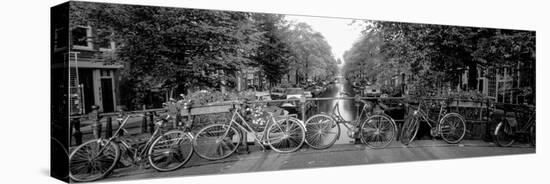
{"points": [[347, 107]]}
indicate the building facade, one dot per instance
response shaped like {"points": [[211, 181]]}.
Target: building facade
{"points": [[92, 79]]}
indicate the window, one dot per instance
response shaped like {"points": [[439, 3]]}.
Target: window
{"points": [[105, 41], [105, 73], [60, 39], [80, 38]]}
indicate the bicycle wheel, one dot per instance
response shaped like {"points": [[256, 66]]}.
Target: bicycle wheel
{"points": [[216, 141], [409, 130], [452, 128], [321, 131], [93, 160], [504, 134], [286, 135], [171, 150], [378, 131], [532, 135]]}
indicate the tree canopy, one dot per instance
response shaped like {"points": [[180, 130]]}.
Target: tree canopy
{"points": [[434, 54], [180, 48]]}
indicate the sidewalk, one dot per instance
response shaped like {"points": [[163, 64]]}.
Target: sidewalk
{"points": [[337, 155]]}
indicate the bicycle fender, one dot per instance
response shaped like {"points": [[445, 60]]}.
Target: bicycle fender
{"points": [[497, 128]]}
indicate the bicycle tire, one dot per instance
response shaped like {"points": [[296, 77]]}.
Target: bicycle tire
{"points": [[180, 149], [319, 126], [74, 162], [456, 129], [203, 141], [294, 135], [409, 130], [378, 131], [503, 134]]}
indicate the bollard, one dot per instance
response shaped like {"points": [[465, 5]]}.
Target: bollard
{"points": [[77, 134], [144, 123], [109, 127], [151, 122]]}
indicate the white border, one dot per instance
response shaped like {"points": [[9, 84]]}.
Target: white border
{"points": [[25, 88]]}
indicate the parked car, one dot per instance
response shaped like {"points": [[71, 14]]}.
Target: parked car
{"points": [[263, 95], [308, 94], [372, 90], [278, 93], [317, 90], [293, 93]]}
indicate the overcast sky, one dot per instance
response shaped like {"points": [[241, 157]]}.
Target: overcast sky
{"points": [[337, 31]]}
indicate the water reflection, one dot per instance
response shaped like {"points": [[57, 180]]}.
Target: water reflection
{"points": [[347, 108]]}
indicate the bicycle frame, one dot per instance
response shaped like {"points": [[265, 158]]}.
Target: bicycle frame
{"points": [[121, 141], [248, 129], [525, 126], [337, 116], [517, 128], [418, 112], [530, 123]]}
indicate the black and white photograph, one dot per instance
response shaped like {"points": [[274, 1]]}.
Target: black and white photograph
{"points": [[160, 91], [148, 92]]}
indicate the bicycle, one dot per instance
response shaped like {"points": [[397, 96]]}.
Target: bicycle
{"points": [[508, 130], [217, 141], [375, 130], [450, 126], [97, 158]]}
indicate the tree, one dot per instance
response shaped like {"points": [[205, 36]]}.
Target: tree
{"points": [[274, 53], [312, 53], [437, 54], [174, 48]]}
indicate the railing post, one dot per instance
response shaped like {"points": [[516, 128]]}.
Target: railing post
{"points": [[177, 120], [303, 107], [109, 127], [488, 121], [77, 134], [457, 106], [96, 126], [151, 122], [244, 143], [317, 102], [119, 122], [144, 123]]}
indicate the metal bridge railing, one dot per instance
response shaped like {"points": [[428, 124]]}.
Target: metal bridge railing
{"points": [[92, 124]]}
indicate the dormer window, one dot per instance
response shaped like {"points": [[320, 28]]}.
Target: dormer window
{"points": [[81, 38]]}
